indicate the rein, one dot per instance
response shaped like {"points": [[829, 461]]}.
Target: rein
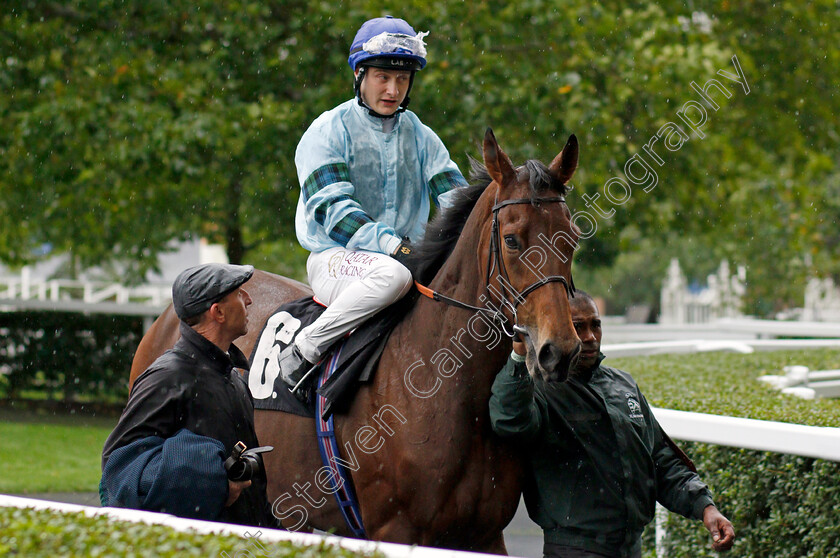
{"points": [[493, 257]]}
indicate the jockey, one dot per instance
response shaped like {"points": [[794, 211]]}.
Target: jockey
{"points": [[367, 170]]}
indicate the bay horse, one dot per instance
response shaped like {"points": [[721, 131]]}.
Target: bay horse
{"points": [[427, 468]]}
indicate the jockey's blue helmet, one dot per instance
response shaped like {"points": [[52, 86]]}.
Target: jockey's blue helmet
{"points": [[388, 42]]}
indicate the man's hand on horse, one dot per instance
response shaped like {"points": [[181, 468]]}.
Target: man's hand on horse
{"points": [[519, 345], [723, 534]]}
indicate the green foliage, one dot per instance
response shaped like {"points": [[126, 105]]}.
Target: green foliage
{"points": [[43, 457], [128, 124], [725, 384], [635, 276], [41, 533], [129, 127], [67, 353], [780, 505]]}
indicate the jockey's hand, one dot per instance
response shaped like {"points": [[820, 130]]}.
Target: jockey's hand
{"points": [[402, 254]]}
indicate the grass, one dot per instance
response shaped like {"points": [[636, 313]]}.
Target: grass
{"points": [[726, 384], [42, 456]]}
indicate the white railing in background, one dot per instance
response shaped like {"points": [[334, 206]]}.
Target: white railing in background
{"points": [[763, 435], [744, 346], [24, 288], [779, 328], [794, 439], [723, 331], [805, 383]]}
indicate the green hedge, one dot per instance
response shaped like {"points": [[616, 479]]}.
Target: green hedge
{"points": [[66, 355], [782, 506], [726, 384], [48, 534]]}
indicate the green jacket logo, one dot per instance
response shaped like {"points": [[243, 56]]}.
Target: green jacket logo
{"points": [[635, 408]]}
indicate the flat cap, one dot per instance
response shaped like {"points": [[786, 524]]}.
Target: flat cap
{"points": [[197, 288]]}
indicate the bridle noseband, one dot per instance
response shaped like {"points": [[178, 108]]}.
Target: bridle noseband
{"points": [[494, 255]]}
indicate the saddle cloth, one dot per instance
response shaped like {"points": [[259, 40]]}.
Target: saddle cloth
{"points": [[358, 358]]}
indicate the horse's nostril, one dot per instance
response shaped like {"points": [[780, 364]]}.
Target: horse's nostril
{"points": [[555, 363], [549, 357]]}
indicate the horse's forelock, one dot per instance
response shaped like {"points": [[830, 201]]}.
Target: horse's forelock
{"points": [[534, 172], [540, 178], [478, 173]]}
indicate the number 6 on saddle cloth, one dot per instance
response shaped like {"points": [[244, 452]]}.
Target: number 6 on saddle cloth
{"points": [[358, 357]]}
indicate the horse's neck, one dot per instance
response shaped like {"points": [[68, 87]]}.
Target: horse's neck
{"points": [[445, 335]]}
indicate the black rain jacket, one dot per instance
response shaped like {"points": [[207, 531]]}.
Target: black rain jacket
{"points": [[195, 385]]}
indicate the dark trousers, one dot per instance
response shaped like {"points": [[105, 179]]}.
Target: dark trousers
{"points": [[559, 551]]}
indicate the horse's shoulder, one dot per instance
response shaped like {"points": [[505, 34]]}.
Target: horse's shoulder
{"points": [[262, 277], [268, 288]]}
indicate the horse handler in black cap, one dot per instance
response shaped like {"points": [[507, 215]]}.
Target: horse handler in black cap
{"points": [[178, 446]]}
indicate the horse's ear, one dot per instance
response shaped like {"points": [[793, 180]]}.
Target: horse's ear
{"points": [[496, 161], [563, 166]]}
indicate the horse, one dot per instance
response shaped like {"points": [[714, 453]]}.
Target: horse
{"points": [[426, 467]]}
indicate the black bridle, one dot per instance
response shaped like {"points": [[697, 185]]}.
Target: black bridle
{"points": [[494, 255]]}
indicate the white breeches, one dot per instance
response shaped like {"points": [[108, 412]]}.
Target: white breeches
{"points": [[354, 285]]}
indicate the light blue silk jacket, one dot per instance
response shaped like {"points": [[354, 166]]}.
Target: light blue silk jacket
{"points": [[365, 188]]}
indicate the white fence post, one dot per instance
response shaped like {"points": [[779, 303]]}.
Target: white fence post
{"points": [[661, 522], [69, 293], [25, 275]]}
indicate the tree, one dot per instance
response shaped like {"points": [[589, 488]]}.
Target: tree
{"points": [[128, 128], [130, 124]]}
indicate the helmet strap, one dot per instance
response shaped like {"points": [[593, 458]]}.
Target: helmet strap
{"points": [[407, 99], [357, 83]]}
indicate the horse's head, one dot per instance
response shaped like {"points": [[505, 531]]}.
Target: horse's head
{"points": [[531, 243]]}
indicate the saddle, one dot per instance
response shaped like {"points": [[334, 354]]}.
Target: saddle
{"points": [[358, 353]]}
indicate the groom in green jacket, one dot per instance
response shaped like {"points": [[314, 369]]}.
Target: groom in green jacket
{"points": [[599, 461]]}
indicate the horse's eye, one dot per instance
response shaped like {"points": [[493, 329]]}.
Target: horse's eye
{"points": [[511, 242]]}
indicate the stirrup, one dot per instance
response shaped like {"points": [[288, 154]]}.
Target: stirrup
{"points": [[298, 389], [293, 365]]}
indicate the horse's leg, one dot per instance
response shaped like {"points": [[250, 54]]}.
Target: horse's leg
{"points": [[291, 473]]}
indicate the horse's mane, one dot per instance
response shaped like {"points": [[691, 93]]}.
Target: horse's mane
{"points": [[443, 231]]}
